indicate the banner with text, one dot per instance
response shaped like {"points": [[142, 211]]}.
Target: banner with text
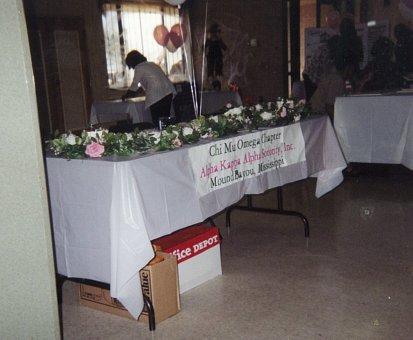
{"points": [[224, 162]]}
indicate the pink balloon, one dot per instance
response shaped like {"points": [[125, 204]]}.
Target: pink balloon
{"points": [[333, 19], [161, 35], [170, 46]]}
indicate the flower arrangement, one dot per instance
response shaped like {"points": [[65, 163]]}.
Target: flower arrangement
{"points": [[229, 121]]}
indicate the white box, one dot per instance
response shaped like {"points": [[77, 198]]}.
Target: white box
{"points": [[199, 269]]}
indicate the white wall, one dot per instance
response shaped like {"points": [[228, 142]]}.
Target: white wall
{"points": [[28, 306]]}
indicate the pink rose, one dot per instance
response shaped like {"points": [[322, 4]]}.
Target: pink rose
{"points": [[177, 142], [283, 112], [94, 150]]}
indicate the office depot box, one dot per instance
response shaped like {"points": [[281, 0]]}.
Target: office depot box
{"points": [[198, 253], [159, 282]]}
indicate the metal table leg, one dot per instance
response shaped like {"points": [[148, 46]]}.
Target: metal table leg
{"points": [[279, 211]]}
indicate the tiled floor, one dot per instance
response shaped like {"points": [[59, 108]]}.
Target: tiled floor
{"points": [[354, 279]]}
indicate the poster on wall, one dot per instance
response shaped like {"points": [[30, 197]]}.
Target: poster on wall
{"points": [[316, 51]]}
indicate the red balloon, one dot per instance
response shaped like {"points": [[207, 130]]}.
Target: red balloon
{"points": [[180, 31], [161, 35], [175, 39], [177, 35]]}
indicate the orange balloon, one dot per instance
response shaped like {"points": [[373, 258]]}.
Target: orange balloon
{"points": [[161, 35]]}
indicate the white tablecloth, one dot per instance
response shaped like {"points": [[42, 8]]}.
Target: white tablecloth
{"points": [[115, 110], [214, 101], [376, 128], [105, 212]]}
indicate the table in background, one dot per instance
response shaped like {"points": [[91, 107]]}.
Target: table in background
{"points": [[115, 110], [376, 128], [214, 101], [106, 211]]}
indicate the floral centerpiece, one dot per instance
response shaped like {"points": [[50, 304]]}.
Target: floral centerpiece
{"points": [[230, 120]]}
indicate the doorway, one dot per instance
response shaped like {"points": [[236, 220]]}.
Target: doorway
{"points": [[59, 57]]}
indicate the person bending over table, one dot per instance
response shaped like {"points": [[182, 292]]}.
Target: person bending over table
{"points": [[148, 76]]}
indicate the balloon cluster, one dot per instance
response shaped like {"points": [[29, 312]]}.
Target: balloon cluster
{"points": [[172, 39], [175, 2]]}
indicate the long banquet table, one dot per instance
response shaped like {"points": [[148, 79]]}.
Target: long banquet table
{"points": [[106, 211], [376, 128]]}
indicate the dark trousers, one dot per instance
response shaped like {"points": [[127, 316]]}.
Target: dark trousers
{"points": [[161, 108]]}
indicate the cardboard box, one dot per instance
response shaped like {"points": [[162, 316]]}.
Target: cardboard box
{"points": [[159, 282], [198, 253]]}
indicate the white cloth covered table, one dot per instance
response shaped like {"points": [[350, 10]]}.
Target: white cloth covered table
{"points": [[376, 128], [213, 101], [105, 212], [115, 110]]}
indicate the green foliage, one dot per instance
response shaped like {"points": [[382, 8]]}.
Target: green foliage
{"points": [[232, 120]]}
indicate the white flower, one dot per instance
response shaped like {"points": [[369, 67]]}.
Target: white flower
{"points": [[297, 118], [229, 105], [290, 103], [214, 118], [98, 134], [128, 136], [266, 115], [186, 131], [258, 107], [71, 139], [247, 120], [208, 134], [236, 111], [195, 124], [156, 135], [279, 104]]}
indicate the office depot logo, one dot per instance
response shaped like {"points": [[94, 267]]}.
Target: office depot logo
{"points": [[197, 248], [189, 242]]}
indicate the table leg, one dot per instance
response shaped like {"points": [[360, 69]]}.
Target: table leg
{"points": [[279, 211]]}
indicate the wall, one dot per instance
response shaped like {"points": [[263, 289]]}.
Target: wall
{"points": [[379, 12], [257, 70], [28, 306], [308, 10], [91, 14]]}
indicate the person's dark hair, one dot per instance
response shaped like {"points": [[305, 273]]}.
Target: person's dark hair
{"points": [[347, 28], [332, 45], [134, 58]]}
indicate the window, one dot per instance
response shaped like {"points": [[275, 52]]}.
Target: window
{"points": [[129, 27]]}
